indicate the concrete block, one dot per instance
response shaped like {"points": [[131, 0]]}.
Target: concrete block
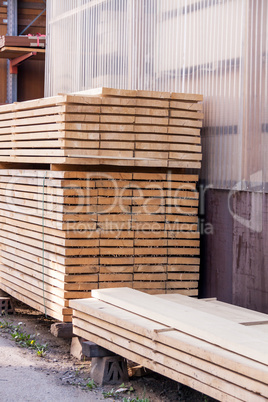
{"points": [[109, 370], [6, 306]]}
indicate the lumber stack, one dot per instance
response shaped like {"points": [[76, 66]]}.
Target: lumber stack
{"points": [[214, 355], [24, 41], [105, 126], [3, 14], [64, 233]]}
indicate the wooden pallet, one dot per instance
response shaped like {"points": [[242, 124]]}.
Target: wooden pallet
{"points": [[105, 126], [213, 354], [64, 233]]}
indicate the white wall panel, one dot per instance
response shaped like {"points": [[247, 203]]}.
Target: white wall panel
{"points": [[215, 47]]}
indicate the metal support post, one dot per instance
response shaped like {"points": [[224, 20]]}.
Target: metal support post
{"points": [[12, 30]]}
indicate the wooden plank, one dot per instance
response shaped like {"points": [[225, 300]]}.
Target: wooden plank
{"points": [[104, 285], [103, 91], [182, 130], [188, 97], [220, 309], [181, 285], [187, 115], [185, 292], [185, 156], [11, 52], [186, 105], [150, 277], [168, 147], [186, 164], [110, 277], [135, 111], [161, 138], [137, 102], [115, 269]]}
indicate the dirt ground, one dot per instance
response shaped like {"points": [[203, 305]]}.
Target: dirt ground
{"points": [[63, 377]]}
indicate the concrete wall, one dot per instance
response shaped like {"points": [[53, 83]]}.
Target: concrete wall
{"points": [[235, 256]]}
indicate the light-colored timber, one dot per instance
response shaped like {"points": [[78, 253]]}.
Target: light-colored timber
{"points": [[104, 127], [65, 233], [185, 344]]}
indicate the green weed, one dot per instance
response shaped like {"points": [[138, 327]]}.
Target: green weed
{"points": [[117, 393], [22, 339], [91, 384], [137, 399], [5, 326], [109, 394]]}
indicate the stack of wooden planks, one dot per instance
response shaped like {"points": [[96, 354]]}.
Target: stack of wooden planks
{"points": [[25, 41], [3, 13], [105, 126], [64, 233], [208, 347]]}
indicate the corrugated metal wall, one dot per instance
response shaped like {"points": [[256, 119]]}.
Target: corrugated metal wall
{"points": [[215, 47]]}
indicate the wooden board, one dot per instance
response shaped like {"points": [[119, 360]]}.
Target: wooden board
{"points": [[10, 52], [220, 309]]}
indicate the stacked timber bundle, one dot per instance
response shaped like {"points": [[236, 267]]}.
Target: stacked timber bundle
{"points": [[3, 16], [25, 41], [105, 126], [222, 357], [63, 234]]}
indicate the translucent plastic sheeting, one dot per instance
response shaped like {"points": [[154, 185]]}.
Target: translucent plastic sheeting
{"points": [[215, 47]]}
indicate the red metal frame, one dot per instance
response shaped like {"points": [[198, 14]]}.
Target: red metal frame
{"points": [[18, 60]]}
